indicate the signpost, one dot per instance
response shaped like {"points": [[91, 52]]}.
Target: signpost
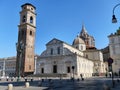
{"points": [[110, 61]]}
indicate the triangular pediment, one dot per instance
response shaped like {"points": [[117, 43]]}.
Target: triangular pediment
{"points": [[54, 41]]}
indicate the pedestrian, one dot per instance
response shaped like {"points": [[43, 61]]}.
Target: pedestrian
{"points": [[81, 77], [110, 75]]}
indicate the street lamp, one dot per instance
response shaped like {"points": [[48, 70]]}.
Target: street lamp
{"points": [[19, 48], [114, 19], [35, 59]]}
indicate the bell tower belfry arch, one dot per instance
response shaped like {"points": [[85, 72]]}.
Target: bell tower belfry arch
{"points": [[26, 39]]}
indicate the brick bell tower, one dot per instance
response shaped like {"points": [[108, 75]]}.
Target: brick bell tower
{"points": [[26, 39]]}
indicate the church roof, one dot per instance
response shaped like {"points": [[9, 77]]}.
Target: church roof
{"points": [[54, 41], [68, 47], [28, 4], [78, 40], [84, 29]]}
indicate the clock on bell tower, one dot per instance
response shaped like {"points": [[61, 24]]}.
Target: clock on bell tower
{"points": [[26, 39]]}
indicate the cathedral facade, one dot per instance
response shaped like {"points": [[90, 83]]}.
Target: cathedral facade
{"points": [[73, 60]]}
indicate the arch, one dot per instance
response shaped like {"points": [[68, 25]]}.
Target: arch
{"points": [[24, 18], [31, 19]]}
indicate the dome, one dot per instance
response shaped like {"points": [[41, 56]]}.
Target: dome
{"points": [[28, 4], [78, 40]]}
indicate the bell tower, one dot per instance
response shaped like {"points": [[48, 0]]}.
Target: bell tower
{"points": [[26, 39]]}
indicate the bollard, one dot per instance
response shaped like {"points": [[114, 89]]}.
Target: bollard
{"points": [[27, 84], [10, 87]]}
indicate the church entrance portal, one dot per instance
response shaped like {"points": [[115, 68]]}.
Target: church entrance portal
{"points": [[54, 68]]}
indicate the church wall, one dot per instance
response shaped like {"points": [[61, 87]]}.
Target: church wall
{"points": [[73, 50], [55, 49], [94, 55], [99, 67], [81, 47], [68, 57], [62, 63], [83, 64], [97, 57]]}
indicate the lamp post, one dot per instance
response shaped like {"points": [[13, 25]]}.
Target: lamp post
{"points": [[19, 48], [114, 19], [106, 71], [110, 60], [35, 58], [73, 67]]}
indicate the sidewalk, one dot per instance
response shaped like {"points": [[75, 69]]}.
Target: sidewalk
{"points": [[117, 86], [23, 88], [87, 84]]}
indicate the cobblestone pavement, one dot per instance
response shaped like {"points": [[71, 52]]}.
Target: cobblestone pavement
{"points": [[97, 83]]}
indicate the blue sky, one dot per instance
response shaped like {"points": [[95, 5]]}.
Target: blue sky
{"points": [[61, 19]]}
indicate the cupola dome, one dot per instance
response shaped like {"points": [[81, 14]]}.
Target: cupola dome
{"points": [[78, 40]]}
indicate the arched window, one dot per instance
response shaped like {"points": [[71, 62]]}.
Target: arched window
{"points": [[31, 19], [24, 19]]}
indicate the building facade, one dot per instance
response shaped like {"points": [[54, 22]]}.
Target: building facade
{"points": [[26, 39], [97, 57], [7, 67], [114, 47], [60, 57]]}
